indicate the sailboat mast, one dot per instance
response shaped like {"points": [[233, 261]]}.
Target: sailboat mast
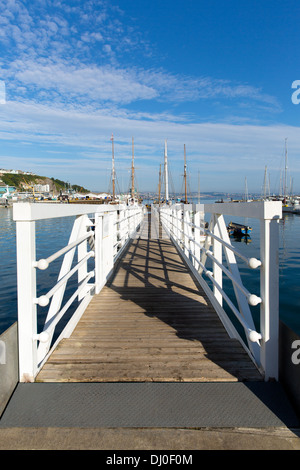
{"points": [[246, 190], [265, 184], [285, 170], [166, 173], [159, 185], [113, 167], [132, 171], [280, 184], [185, 186]]}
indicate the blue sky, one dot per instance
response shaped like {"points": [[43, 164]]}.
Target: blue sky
{"points": [[213, 75]]}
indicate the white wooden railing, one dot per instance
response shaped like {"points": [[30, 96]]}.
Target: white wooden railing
{"points": [[198, 243], [99, 235]]}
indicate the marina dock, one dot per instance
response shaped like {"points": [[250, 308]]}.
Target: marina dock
{"points": [[152, 322], [149, 362]]}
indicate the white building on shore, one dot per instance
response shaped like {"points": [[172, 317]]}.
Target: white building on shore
{"points": [[15, 172]]}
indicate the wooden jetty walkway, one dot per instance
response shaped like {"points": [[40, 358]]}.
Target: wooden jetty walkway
{"points": [[149, 365], [151, 323]]}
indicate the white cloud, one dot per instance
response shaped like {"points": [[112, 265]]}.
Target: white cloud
{"points": [[87, 128], [112, 83], [68, 88], [91, 82], [81, 60]]}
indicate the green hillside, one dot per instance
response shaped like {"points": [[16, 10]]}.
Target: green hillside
{"points": [[21, 180]]}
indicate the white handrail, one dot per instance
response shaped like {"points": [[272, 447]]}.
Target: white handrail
{"points": [[253, 263], [113, 227], [181, 222], [252, 299], [44, 299], [253, 335], [44, 263], [44, 335]]}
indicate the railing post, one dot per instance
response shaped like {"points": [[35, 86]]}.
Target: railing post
{"points": [[135, 220], [172, 221], [187, 230], [184, 235], [173, 218], [174, 227], [104, 256], [115, 232], [178, 226], [269, 288], [181, 226], [122, 226], [107, 244], [81, 253], [79, 228], [129, 222], [197, 237], [98, 253], [27, 309], [217, 251]]}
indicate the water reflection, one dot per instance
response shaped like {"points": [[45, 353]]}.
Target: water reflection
{"points": [[240, 238]]}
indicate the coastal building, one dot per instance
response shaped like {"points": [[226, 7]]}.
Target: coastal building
{"points": [[15, 172], [42, 188], [4, 187]]}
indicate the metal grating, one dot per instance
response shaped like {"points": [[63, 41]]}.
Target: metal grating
{"points": [[253, 404]]}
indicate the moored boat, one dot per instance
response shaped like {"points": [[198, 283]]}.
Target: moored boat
{"points": [[238, 229]]}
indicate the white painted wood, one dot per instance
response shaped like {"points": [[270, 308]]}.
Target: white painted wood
{"points": [[269, 309], [207, 244], [256, 210], [44, 263], [69, 328], [27, 321], [107, 245], [99, 277], [263, 345], [108, 235], [178, 225], [33, 348], [217, 252], [82, 251], [197, 238], [59, 294], [187, 231], [41, 211], [231, 330], [241, 299], [115, 232]]}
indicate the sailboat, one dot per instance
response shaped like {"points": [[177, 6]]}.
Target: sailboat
{"points": [[159, 186], [134, 199], [166, 172], [185, 200], [185, 178], [131, 198], [164, 180], [113, 173], [247, 199], [287, 205]]}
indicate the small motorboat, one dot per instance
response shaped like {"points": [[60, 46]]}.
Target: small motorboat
{"points": [[238, 229]]}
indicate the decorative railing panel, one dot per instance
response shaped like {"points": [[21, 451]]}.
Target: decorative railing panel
{"points": [[199, 242], [98, 236]]}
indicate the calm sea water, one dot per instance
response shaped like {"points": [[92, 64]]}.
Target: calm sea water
{"points": [[54, 234]]}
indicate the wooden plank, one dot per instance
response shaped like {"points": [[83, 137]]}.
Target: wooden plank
{"points": [[151, 322]]}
